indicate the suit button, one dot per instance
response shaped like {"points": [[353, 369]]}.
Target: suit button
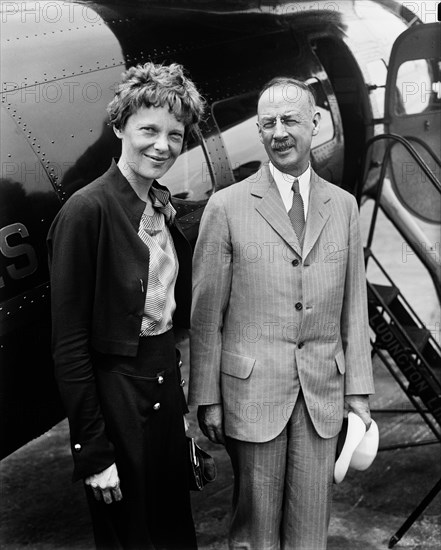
{"points": [[156, 406], [295, 262], [160, 379], [77, 447], [182, 384], [300, 345], [298, 306]]}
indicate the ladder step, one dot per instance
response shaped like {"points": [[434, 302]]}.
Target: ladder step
{"points": [[419, 336], [386, 292]]}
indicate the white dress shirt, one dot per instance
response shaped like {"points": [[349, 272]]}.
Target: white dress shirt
{"points": [[284, 184]]}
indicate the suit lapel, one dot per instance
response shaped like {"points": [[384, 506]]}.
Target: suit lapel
{"points": [[318, 212], [272, 209]]}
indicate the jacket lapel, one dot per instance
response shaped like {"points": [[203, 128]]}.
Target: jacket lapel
{"points": [[272, 209], [318, 212]]}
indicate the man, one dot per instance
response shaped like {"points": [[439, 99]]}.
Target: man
{"points": [[280, 341]]}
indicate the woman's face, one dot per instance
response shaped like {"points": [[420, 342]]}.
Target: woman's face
{"points": [[152, 139]]}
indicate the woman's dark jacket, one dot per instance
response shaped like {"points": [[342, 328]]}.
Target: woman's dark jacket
{"points": [[99, 271]]}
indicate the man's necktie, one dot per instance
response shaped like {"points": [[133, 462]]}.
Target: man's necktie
{"points": [[297, 213]]}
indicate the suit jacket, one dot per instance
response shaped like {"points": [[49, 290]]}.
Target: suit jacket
{"points": [[269, 318], [99, 278]]}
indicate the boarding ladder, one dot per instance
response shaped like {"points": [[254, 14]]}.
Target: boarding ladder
{"points": [[403, 343]]}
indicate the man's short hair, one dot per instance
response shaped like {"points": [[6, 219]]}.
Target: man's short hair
{"points": [[287, 81], [152, 85]]}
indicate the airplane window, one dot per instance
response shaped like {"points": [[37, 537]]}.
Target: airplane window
{"points": [[418, 87], [189, 178], [237, 117], [326, 132]]}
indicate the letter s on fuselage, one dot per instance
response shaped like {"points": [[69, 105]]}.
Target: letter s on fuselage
{"points": [[28, 263]]}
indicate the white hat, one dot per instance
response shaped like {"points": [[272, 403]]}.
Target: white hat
{"points": [[359, 447]]}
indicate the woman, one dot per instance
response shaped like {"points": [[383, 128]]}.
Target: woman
{"points": [[120, 279]]}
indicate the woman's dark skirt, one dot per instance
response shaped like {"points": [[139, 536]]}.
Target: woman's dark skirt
{"points": [[141, 401]]}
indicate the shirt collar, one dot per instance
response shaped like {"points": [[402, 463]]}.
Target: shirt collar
{"points": [[283, 180], [134, 206]]}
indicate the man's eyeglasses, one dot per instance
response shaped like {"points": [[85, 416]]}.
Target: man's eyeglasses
{"points": [[268, 124]]}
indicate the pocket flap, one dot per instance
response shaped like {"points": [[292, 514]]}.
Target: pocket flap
{"points": [[236, 365], [340, 360]]}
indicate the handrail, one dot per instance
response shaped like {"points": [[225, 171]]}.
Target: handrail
{"points": [[427, 148], [417, 157], [405, 142]]}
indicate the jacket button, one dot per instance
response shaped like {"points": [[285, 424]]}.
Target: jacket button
{"points": [[156, 406], [295, 262], [182, 384], [301, 344], [160, 379], [298, 306], [77, 447]]}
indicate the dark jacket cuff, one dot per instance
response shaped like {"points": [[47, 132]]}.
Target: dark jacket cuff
{"points": [[91, 457]]}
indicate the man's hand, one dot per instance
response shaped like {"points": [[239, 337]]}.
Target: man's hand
{"points": [[105, 485], [210, 419], [359, 404]]}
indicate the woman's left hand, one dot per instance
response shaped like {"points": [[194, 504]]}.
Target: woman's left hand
{"points": [[105, 485]]}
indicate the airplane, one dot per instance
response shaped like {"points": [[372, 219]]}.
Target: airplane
{"points": [[373, 65]]}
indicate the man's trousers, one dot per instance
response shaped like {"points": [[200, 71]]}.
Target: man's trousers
{"points": [[283, 488]]}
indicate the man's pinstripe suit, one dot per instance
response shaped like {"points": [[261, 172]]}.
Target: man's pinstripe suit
{"points": [[246, 329], [279, 337]]}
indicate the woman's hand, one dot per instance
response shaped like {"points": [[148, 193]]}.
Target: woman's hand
{"points": [[105, 485]]}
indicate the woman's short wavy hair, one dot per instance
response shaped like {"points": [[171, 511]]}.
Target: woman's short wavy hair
{"points": [[153, 85]]}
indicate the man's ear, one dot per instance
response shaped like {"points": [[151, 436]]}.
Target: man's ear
{"points": [[316, 122], [118, 132], [260, 132]]}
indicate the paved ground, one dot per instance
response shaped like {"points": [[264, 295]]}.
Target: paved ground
{"points": [[41, 510]]}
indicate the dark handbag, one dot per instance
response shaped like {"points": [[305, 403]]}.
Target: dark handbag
{"points": [[202, 468]]}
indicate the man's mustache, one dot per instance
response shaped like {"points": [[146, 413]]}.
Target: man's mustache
{"points": [[282, 145]]}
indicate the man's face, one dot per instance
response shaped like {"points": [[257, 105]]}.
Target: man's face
{"points": [[152, 139], [286, 125]]}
